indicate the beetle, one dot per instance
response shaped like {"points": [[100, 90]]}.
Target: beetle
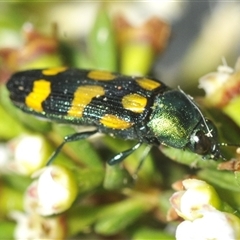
{"points": [[127, 107]]}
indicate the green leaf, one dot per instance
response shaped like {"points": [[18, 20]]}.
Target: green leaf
{"points": [[7, 230], [148, 233], [116, 177], [237, 176], [118, 216], [188, 158], [89, 179], [80, 218], [11, 199], [9, 127], [44, 61], [222, 179], [136, 58], [101, 42]]}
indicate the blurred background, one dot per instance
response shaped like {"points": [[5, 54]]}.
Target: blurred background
{"points": [[176, 42], [202, 33]]}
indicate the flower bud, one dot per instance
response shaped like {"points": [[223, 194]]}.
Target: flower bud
{"points": [[29, 153], [212, 225], [222, 90], [33, 226], [188, 203], [53, 192]]}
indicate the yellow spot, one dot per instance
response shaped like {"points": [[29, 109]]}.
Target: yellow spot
{"points": [[114, 122], [148, 84], [134, 102], [82, 97], [54, 71], [101, 75], [41, 90]]}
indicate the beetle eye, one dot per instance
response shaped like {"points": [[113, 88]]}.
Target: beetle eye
{"points": [[202, 143]]}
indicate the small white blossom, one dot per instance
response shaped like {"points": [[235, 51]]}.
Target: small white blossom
{"points": [[188, 203], [199, 205], [33, 226], [212, 225], [53, 192], [28, 154], [212, 81]]}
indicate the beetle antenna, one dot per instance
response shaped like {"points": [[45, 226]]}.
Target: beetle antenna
{"points": [[209, 134], [228, 145]]}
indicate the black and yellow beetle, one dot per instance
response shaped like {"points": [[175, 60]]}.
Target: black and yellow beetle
{"points": [[139, 108]]}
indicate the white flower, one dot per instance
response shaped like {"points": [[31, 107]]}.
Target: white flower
{"points": [[213, 225], [53, 192], [28, 153], [212, 81], [33, 226], [199, 205], [188, 203]]}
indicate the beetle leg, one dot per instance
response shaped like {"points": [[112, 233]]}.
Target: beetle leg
{"points": [[142, 159], [70, 138], [122, 155]]}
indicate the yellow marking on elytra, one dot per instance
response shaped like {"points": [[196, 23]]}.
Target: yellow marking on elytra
{"points": [[148, 84], [114, 122], [82, 97], [134, 102], [54, 71], [101, 75], [41, 90]]}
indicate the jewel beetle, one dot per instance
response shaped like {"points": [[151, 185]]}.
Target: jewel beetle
{"points": [[127, 107]]}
